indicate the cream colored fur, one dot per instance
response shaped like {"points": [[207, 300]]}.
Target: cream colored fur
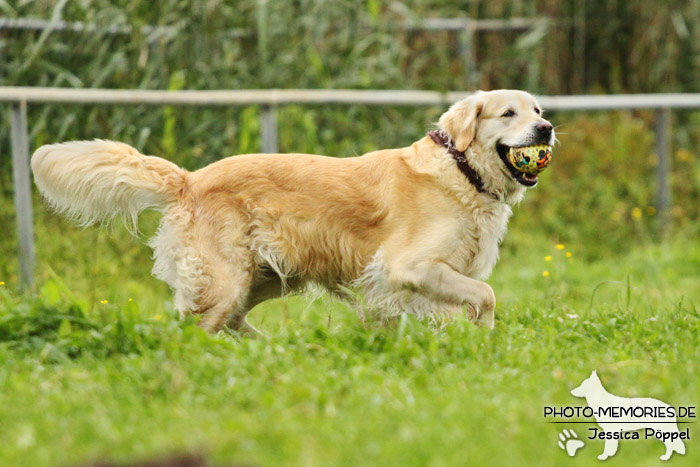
{"points": [[403, 226]]}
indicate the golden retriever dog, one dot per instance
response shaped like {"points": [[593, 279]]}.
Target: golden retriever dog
{"points": [[412, 230]]}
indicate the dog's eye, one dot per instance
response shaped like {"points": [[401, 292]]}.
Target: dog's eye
{"points": [[508, 113], [537, 111]]}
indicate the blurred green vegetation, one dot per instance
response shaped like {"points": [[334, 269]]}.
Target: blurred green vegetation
{"points": [[578, 46], [599, 192]]}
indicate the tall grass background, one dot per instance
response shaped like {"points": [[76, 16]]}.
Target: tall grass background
{"points": [[598, 194]]}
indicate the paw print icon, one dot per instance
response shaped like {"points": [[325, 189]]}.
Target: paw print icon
{"points": [[569, 442]]}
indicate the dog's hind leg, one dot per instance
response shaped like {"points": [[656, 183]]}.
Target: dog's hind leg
{"points": [[208, 280], [225, 300], [265, 289], [225, 293], [236, 288]]}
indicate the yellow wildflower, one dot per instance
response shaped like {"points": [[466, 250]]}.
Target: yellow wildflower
{"points": [[651, 210], [568, 254], [131, 299], [157, 317], [636, 214], [548, 258], [545, 273], [104, 302], [2, 282], [684, 155], [560, 246]]}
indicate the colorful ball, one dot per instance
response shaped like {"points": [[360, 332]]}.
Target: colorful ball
{"points": [[530, 160]]}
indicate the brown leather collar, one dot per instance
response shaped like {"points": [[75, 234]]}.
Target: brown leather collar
{"points": [[441, 138]]}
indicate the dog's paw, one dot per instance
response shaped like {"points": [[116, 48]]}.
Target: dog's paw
{"points": [[481, 319], [569, 442]]}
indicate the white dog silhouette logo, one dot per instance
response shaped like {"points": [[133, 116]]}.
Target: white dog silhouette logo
{"points": [[617, 415]]}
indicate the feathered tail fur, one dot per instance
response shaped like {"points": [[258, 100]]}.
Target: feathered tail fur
{"points": [[93, 181]]}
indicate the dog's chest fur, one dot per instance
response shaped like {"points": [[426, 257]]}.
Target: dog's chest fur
{"points": [[482, 220], [483, 228]]}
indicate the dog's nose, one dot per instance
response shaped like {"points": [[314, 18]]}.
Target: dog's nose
{"points": [[543, 131], [544, 128]]}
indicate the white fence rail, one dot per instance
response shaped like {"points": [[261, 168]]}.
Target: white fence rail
{"points": [[273, 97], [20, 97]]}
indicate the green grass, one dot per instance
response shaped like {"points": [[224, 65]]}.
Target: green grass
{"points": [[82, 381]]}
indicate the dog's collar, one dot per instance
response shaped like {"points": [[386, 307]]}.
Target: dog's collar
{"points": [[441, 138]]}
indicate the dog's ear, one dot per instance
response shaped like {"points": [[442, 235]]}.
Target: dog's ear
{"points": [[460, 121], [594, 374]]}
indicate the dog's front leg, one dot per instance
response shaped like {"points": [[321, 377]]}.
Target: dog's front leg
{"points": [[439, 280]]}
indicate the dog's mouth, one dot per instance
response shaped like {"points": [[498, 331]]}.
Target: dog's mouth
{"points": [[527, 180]]}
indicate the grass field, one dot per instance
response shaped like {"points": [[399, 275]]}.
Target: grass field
{"points": [[84, 381]]}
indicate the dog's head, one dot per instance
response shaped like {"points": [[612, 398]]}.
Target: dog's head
{"points": [[587, 386], [489, 124]]}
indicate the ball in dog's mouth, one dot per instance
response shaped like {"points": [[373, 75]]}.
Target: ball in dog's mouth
{"points": [[525, 162]]}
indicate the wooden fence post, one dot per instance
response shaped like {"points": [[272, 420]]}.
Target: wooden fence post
{"points": [[663, 169], [23, 194], [466, 47], [268, 129]]}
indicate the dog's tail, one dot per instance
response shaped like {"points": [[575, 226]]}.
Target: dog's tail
{"points": [[93, 181]]}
